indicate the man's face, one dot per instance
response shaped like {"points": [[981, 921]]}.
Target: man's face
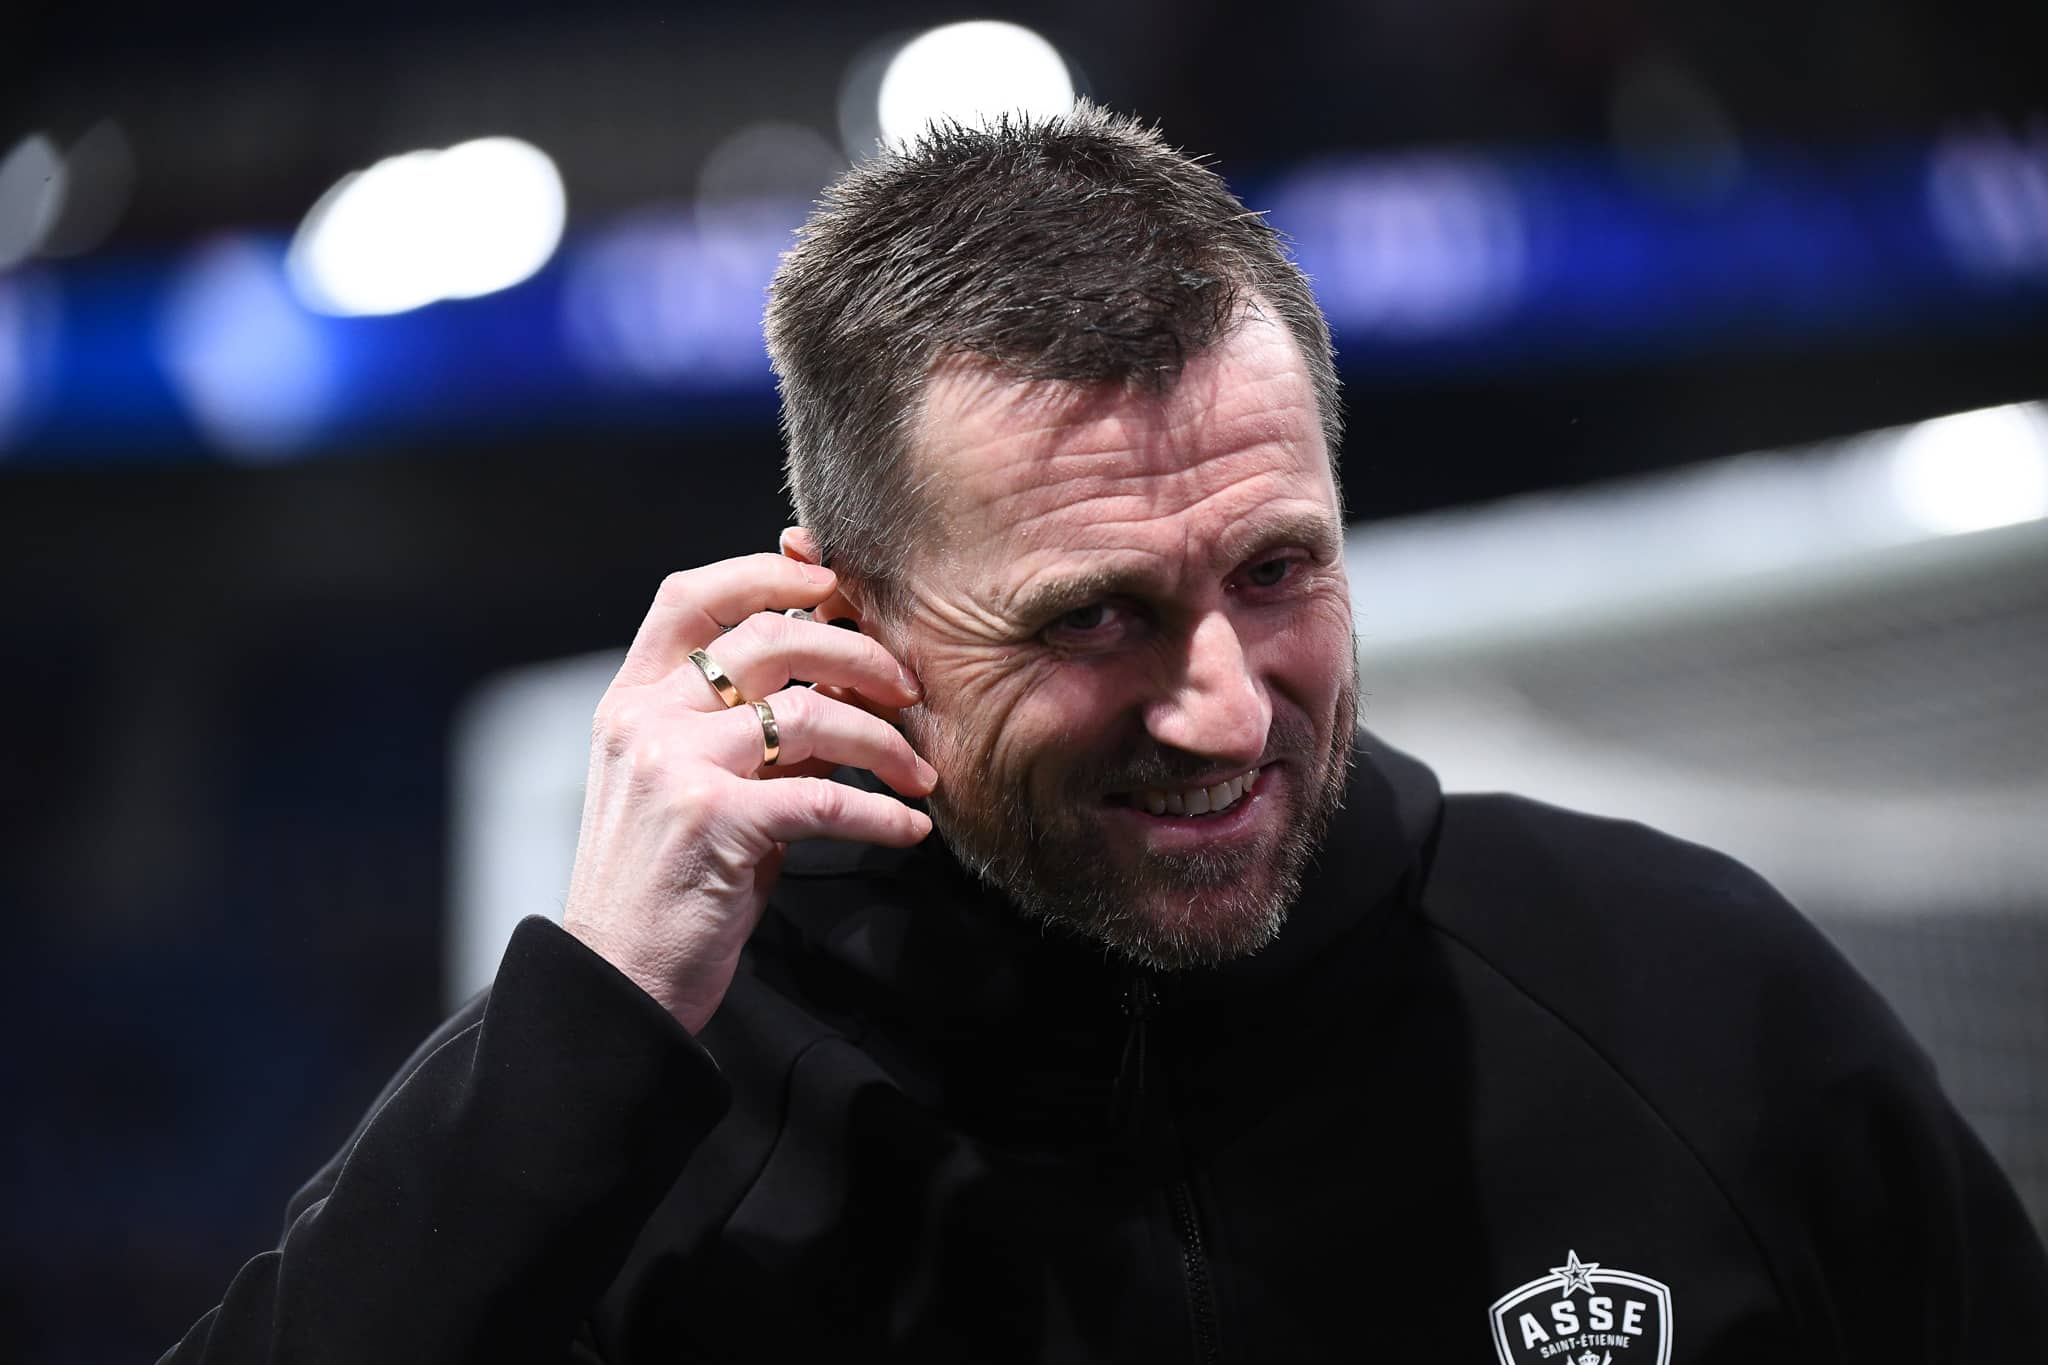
{"points": [[1134, 611]]}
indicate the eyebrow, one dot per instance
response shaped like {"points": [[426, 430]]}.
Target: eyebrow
{"points": [[1057, 596]]}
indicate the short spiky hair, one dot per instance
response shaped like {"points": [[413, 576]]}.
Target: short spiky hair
{"points": [[1078, 248]]}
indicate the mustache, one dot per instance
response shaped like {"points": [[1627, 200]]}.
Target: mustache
{"points": [[1162, 765]]}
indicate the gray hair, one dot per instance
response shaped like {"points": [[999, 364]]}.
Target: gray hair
{"points": [[1078, 248]]}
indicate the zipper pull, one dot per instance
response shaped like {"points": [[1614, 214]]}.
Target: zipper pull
{"points": [[1127, 1099]]}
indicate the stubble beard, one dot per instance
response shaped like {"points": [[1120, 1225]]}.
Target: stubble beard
{"points": [[1054, 864]]}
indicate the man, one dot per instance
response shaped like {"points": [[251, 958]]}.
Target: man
{"points": [[1204, 1028]]}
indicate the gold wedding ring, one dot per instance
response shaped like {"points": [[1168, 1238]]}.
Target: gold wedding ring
{"points": [[771, 735], [717, 677]]}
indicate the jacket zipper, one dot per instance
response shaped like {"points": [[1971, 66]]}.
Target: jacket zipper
{"points": [[1196, 1264], [1131, 1113], [1127, 1102]]}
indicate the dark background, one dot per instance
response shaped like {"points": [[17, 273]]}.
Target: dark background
{"points": [[223, 787]]}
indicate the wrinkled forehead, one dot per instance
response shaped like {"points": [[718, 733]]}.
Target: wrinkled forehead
{"points": [[994, 457]]}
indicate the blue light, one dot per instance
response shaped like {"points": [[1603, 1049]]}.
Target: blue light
{"points": [[1988, 196], [29, 344], [252, 366], [674, 302], [1429, 266], [1407, 248]]}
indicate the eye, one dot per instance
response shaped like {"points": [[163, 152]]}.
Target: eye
{"points": [[1098, 623], [1269, 573], [1084, 619]]}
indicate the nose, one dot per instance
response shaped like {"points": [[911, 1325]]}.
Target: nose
{"points": [[1212, 703]]}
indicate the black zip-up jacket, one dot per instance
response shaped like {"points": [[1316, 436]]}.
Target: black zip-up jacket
{"points": [[1514, 1085]]}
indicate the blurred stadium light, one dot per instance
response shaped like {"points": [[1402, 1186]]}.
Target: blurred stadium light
{"points": [[1435, 265], [1410, 247], [1974, 470], [1634, 547], [99, 174], [27, 304], [253, 368], [414, 229], [971, 72], [672, 301], [774, 161], [1988, 195], [13, 358], [31, 197], [1428, 265]]}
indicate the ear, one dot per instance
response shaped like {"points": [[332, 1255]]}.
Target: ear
{"points": [[799, 544]]}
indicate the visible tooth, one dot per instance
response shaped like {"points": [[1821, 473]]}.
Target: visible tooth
{"points": [[1154, 802], [1198, 801], [1175, 805], [1221, 795]]}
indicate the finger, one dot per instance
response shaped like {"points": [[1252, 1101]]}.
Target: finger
{"points": [[810, 727], [893, 715], [815, 808], [810, 767], [694, 605], [766, 651]]}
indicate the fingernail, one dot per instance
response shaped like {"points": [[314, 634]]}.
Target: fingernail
{"points": [[910, 683], [817, 574], [928, 773], [921, 823]]}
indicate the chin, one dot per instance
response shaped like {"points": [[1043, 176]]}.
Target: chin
{"points": [[1177, 917], [1203, 933]]}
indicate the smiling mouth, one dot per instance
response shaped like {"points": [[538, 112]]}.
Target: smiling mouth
{"points": [[1188, 801]]}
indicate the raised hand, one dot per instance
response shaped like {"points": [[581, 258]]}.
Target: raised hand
{"points": [[682, 839]]}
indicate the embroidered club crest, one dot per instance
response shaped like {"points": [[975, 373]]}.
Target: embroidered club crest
{"points": [[1582, 1313]]}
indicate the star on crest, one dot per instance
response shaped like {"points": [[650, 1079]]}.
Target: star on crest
{"points": [[1575, 1274]]}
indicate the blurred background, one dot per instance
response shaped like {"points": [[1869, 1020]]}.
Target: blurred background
{"points": [[362, 371]]}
